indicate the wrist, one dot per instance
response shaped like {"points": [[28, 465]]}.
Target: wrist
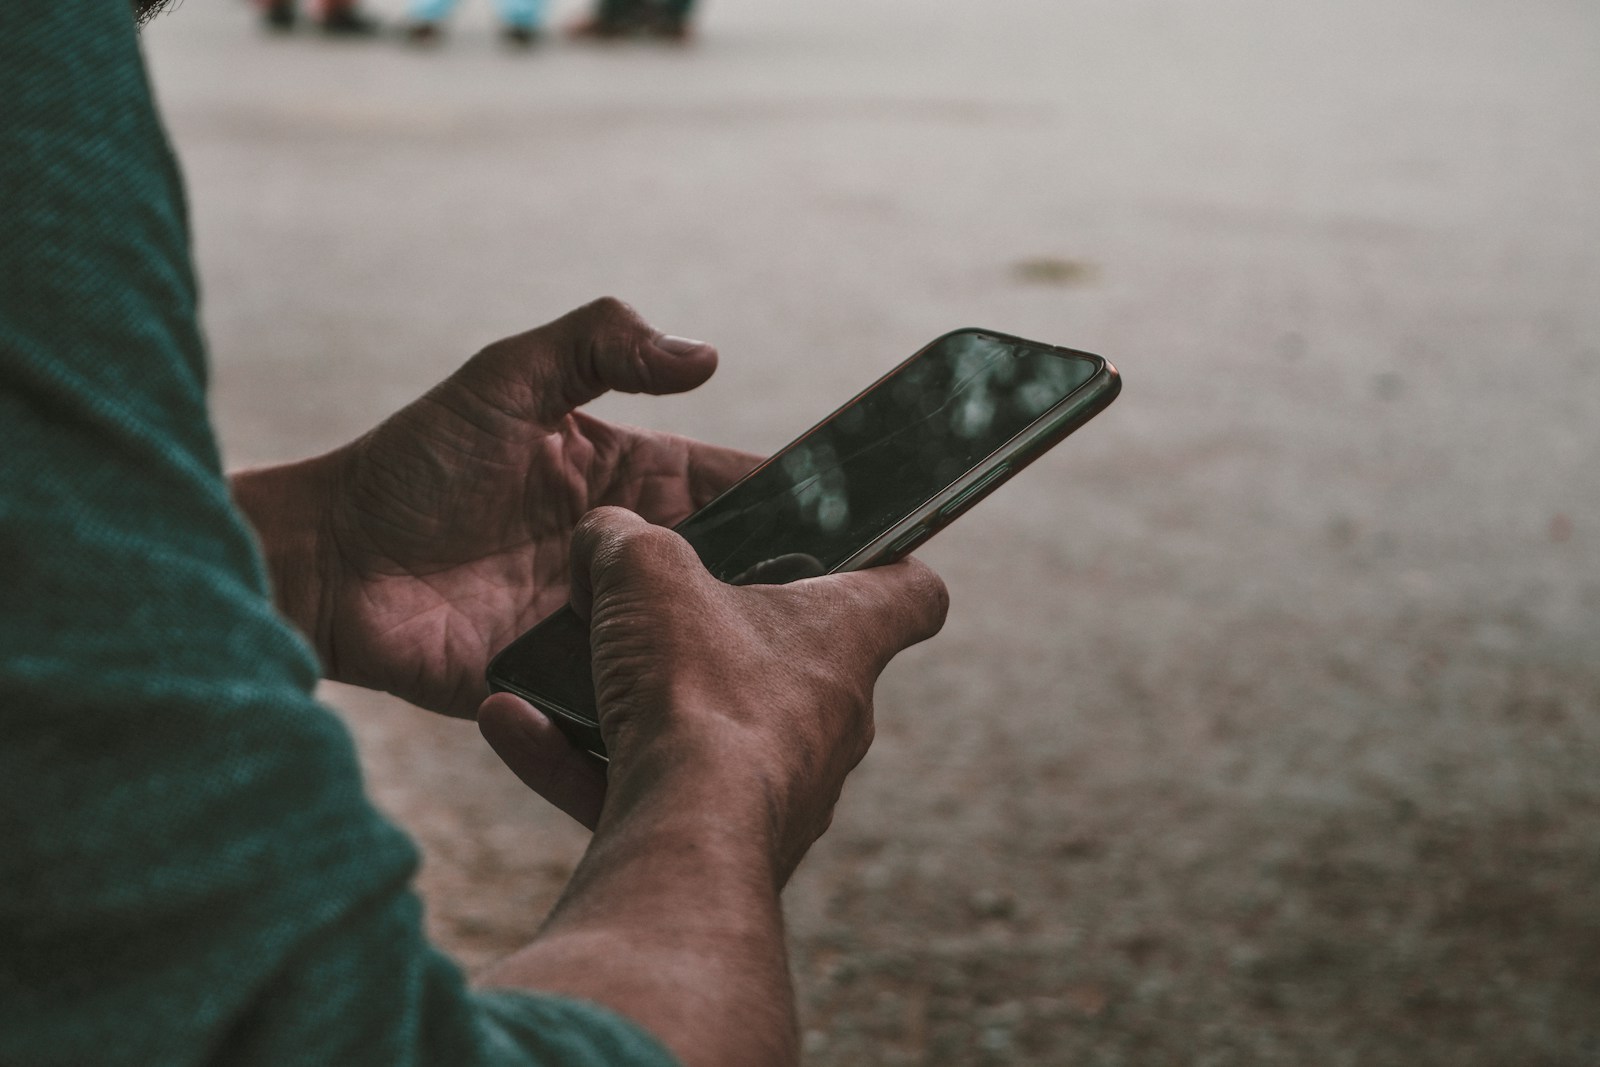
{"points": [[678, 891], [709, 783], [287, 507]]}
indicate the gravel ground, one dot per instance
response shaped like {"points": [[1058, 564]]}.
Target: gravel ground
{"points": [[1265, 728]]}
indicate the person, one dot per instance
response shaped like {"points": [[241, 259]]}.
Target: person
{"points": [[190, 870], [667, 20], [521, 20], [337, 17]]}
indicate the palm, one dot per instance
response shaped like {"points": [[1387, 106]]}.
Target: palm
{"points": [[451, 529]]}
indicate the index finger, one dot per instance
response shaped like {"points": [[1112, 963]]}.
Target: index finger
{"points": [[901, 603]]}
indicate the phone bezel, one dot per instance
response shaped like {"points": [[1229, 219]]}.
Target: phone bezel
{"points": [[1001, 465], [905, 536]]}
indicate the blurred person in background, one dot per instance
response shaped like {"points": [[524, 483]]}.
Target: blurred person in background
{"points": [[340, 17], [666, 20], [521, 20], [190, 869]]}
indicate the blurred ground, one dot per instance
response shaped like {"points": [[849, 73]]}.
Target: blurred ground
{"points": [[1266, 728]]}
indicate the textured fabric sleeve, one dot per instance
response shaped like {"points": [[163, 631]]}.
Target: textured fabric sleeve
{"points": [[190, 871]]}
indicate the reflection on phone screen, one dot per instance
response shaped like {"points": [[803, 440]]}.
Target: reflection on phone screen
{"points": [[823, 499], [881, 458]]}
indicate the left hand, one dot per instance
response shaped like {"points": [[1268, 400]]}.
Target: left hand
{"points": [[415, 553]]}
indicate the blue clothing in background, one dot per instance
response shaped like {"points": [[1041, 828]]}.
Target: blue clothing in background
{"points": [[522, 14]]}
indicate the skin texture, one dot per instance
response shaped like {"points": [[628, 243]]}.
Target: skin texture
{"points": [[413, 554], [732, 713]]}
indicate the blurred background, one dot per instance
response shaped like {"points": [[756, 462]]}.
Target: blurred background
{"points": [[1266, 726]]}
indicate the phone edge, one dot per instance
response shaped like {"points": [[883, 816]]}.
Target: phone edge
{"points": [[1043, 434], [580, 730], [1039, 437]]}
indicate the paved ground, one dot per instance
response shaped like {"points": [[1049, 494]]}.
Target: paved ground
{"points": [[1266, 728]]}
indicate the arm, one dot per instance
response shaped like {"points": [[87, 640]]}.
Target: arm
{"points": [[191, 869], [672, 919], [728, 750], [733, 716]]}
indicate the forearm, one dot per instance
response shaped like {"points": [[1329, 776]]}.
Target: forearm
{"points": [[673, 920], [287, 507]]}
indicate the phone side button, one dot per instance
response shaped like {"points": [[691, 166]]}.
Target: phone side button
{"points": [[908, 541], [966, 495]]}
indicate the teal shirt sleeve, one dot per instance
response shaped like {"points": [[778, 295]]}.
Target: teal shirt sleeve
{"points": [[190, 870]]}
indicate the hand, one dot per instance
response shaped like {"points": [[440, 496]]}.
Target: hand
{"points": [[732, 715], [415, 553], [771, 684]]}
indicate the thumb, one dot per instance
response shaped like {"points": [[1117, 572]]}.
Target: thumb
{"points": [[597, 539], [612, 545], [544, 374]]}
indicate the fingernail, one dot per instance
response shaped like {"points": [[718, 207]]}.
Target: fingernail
{"points": [[679, 346]]}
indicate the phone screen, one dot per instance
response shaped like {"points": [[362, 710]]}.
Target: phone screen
{"points": [[884, 455], [873, 464]]}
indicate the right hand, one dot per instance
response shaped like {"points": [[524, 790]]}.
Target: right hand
{"points": [[766, 685]]}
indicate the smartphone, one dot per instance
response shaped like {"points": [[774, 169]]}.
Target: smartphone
{"points": [[865, 486]]}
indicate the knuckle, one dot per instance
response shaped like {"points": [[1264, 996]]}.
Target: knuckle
{"points": [[635, 365], [610, 346], [596, 522], [631, 549], [611, 322], [645, 547], [585, 536], [602, 535], [607, 309]]}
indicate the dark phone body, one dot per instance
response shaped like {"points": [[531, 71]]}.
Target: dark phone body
{"points": [[919, 447]]}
